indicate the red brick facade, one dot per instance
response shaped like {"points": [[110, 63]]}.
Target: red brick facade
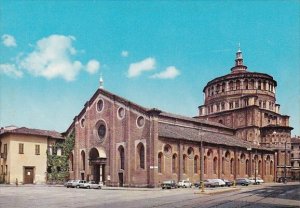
{"points": [[145, 155], [242, 131]]}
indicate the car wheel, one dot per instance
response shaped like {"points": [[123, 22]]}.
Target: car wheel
{"points": [[88, 187], [77, 186]]}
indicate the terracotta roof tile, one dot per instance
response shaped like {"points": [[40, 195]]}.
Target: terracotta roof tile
{"points": [[191, 134], [39, 132], [194, 120]]}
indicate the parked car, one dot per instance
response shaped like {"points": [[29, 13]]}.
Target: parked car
{"points": [[210, 183], [227, 182], [168, 184], [258, 180], [77, 183], [184, 184], [90, 185], [219, 181], [243, 181], [69, 183], [197, 184]]}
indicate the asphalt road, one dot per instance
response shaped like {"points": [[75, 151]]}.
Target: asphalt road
{"points": [[269, 195]]}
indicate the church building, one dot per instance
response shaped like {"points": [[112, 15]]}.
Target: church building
{"points": [[238, 133]]}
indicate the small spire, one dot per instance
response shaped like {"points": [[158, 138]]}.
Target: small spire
{"points": [[239, 50], [101, 82], [239, 62]]}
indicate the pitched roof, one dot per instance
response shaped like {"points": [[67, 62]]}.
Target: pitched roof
{"points": [[28, 131], [110, 95], [195, 120], [192, 134]]}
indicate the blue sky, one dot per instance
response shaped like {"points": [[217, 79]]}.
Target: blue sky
{"points": [[158, 54]]}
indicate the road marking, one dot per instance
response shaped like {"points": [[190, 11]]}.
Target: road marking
{"points": [[290, 191]]}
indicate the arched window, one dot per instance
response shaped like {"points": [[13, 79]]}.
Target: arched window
{"points": [[205, 165], [223, 165], [251, 84], [259, 85], [247, 167], [231, 166], [238, 84], [196, 164], [141, 155], [223, 87], [227, 155], [223, 106], [122, 157], [271, 168], [82, 160], [160, 162], [231, 85], [238, 166], [267, 166], [184, 163], [253, 167], [71, 160], [215, 165], [174, 163], [246, 86], [259, 167]]}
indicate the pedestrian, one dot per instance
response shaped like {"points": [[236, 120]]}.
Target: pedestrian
{"points": [[17, 183]]}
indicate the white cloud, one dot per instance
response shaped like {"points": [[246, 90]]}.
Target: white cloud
{"points": [[8, 40], [52, 57], [170, 73], [92, 66], [10, 70], [124, 53], [135, 69]]}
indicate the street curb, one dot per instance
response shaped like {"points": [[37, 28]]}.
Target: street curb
{"points": [[217, 191]]}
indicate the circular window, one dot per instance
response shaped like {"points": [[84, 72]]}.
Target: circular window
{"points": [[100, 105], [101, 131], [190, 151], [140, 121], [167, 149], [82, 122], [121, 112]]}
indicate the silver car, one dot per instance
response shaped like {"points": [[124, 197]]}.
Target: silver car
{"points": [[90, 185], [69, 183], [77, 183]]}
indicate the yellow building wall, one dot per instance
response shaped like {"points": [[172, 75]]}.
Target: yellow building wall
{"points": [[16, 162]]}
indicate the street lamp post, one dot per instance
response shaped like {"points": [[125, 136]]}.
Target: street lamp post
{"points": [[255, 168], [201, 161], [284, 162]]}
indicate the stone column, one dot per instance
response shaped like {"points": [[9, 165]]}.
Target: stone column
{"points": [[255, 84], [227, 86]]}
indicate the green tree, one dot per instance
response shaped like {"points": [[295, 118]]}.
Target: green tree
{"points": [[58, 165]]}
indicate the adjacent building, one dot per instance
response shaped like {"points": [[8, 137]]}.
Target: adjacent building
{"points": [[24, 154], [295, 158], [239, 132]]}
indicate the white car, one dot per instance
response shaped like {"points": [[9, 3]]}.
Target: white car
{"points": [[258, 180], [184, 184], [91, 185], [219, 181]]}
